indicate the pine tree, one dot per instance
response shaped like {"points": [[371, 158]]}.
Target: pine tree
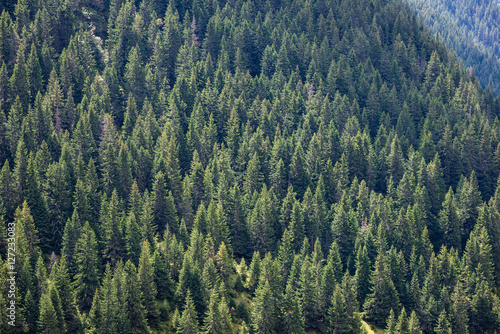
{"points": [[34, 73], [459, 310], [403, 324], [450, 223], [188, 323], [19, 80], [224, 264], [147, 284], [262, 222], [58, 188], [383, 297], [130, 115], [362, 275], [291, 315], [299, 175], [8, 191], [133, 238], [285, 254], [105, 309], [296, 225], [344, 227], [263, 310], [124, 171], [307, 293], [469, 199], [146, 221], [68, 305], [30, 231], [108, 151], [164, 208], [41, 282], [4, 85], [136, 310], [87, 275], [443, 325], [332, 273], [48, 321], [414, 326], [216, 319], [478, 256], [483, 317], [391, 323], [253, 176], [135, 76], [25, 260], [253, 272], [337, 314], [394, 160], [31, 311], [114, 221], [56, 302]]}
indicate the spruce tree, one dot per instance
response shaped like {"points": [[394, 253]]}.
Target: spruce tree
{"points": [[449, 222], [383, 296], [459, 310], [135, 303], [188, 323], [362, 275], [291, 315], [87, 275], [344, 228], [263, 310], [68, 305], [147, 284], [48, 321], [443, 325], [215, 321], [483, 316], [133, 238], [337, 314], [114, 221]]}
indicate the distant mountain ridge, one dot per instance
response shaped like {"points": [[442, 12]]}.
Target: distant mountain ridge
{"points": [[471, 29]]}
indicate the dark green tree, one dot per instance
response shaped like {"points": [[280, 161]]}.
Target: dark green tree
{"points": [[147, 284], [383, 296], [87, 275], [188, 323]]}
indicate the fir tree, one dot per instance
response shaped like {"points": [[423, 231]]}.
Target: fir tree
{"points": [[449, 222], [443, 325], [188, 323], [263, 310], [48, 321], [291, 315], [87, 275], [136, 310], [147, 284], [383, 297]]}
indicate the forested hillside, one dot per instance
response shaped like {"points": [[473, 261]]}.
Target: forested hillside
{"points": [[471, 28], [243, 167]]}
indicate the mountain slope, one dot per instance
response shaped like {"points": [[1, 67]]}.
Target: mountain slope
{"points": [[244, 166], [471, 29]]}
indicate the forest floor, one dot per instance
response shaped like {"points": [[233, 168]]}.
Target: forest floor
{"points": [[369, 329]]}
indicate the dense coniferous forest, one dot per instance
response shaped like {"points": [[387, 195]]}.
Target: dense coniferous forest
{"points": [[472, 29], [249, 166]]}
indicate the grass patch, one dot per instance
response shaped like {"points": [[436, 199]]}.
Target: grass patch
{"points": [[372, 329]]}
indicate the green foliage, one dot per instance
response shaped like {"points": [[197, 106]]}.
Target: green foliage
{"points": [[147, 284], [384, 296], [188, 323], [456, 24], [87, 274], [155, 148]]}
